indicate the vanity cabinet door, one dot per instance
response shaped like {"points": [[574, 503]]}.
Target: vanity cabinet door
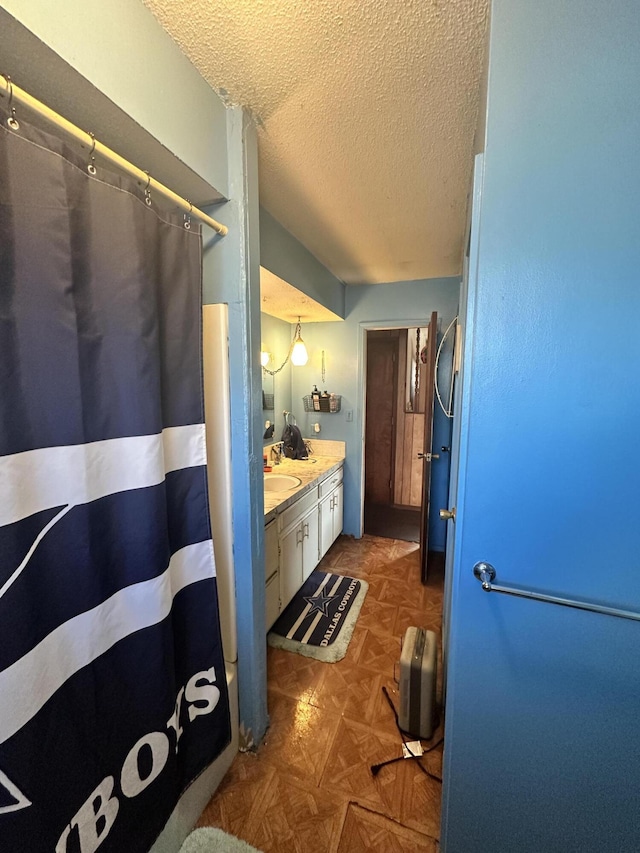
{"points": [[337, 516], [270, 550], [272, 600], [291, 546], [331, 517], [326, 524], [298, 555], [310, 557], [271, 573]]}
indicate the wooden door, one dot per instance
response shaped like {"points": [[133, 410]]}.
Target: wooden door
{"points": [[382, 350], [429, 379]]}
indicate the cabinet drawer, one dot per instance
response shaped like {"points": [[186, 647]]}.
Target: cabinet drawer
{"points": [[298, 509], [330, 483]]}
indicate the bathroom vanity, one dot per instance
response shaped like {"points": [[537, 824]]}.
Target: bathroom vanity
{"points": [[301, 523]]}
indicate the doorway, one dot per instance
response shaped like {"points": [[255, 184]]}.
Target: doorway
{"points": [[396, 395]]}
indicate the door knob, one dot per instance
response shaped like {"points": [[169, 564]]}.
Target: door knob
{"points": [[448, 514]]}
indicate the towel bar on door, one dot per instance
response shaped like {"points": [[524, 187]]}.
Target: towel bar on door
{"points": [[486, 574]]}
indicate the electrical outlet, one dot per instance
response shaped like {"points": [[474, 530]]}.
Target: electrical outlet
{"points": [[349, 416]]}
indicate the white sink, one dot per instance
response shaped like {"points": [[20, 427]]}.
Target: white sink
{"points": [[280, 482]]}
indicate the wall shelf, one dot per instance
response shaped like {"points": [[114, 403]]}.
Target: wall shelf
{"points": [[330, 404]]}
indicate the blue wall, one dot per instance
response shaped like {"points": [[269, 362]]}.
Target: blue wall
{"points": [[121, 49], [407, 303], [542, 704]]}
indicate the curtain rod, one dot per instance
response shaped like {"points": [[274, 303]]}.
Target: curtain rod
{"points": [[18, 95]]}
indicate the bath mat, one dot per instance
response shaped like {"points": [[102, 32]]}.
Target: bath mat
{"points": [[210, 840], [319, 620]]}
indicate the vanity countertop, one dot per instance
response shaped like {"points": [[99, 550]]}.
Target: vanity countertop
{"points": [[308, 470]]}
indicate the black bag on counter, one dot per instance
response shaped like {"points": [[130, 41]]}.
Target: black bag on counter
{"points": [[293, 444]]}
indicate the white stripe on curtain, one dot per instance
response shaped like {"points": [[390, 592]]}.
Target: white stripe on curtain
{"points": [[30, 682], [48, 477]]}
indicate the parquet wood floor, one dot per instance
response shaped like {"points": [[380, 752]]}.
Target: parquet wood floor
{"points": [[309, 788]]}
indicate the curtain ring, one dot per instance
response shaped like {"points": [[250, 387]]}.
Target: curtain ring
{"points": [[187, 217], [12, 121], [91, 166], [147, 194]]}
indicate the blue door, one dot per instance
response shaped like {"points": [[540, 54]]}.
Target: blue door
{"points": [[543, 702]]}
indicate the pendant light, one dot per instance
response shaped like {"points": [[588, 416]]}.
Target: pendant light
{"points": [[299, 355]]}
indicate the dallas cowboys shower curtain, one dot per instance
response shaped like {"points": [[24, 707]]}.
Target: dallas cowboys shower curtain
{"points": [[112, 682]]}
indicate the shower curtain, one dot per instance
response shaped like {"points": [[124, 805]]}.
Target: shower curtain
{"points": [[112, 682]]}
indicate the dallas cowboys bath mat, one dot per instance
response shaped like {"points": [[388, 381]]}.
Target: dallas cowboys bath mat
{"points": [[319, 620]]}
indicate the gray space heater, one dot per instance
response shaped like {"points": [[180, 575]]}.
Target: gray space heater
{"points": [[418, 683]]}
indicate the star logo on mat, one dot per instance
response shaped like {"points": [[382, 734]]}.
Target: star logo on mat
{"points": [[319, 603]]}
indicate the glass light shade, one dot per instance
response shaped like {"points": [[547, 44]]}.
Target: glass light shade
{"points": [[299, 353], [265, 358]]}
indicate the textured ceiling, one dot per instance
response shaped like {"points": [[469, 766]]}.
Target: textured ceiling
{"points": [[366, 111]]}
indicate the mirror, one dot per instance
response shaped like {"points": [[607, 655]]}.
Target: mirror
{"points": [[416, 343], [283, 305], [276, 387], [268, 396], [268, 402]]}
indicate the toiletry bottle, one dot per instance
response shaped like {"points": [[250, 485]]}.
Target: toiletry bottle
{"points": [[315, 394]]}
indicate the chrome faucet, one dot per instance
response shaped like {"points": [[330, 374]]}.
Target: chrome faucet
{"points": [[276, 453]]}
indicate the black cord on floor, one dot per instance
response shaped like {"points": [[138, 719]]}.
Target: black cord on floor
{"points": [[376, 768]]}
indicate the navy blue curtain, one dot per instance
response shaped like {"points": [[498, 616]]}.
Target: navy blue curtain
{"points": [[112, 683]]}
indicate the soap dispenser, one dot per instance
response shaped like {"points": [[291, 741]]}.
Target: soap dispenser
{"points": [[315, 396]]}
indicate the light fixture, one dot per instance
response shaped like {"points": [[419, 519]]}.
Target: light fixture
{"points": [[299, 352]]}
